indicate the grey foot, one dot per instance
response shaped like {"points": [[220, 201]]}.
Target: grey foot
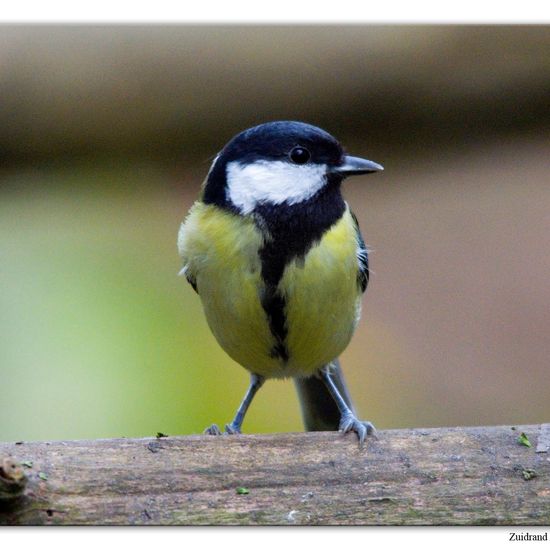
{"points": [[350, 423], [213, 430], [230, 429]]}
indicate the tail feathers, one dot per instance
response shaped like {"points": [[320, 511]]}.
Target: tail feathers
{"points": [[319, 410]]}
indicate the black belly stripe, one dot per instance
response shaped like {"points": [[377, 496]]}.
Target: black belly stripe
{"points": [[274, 306], [291, 231]]}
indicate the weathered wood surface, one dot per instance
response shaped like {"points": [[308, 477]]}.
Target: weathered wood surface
{"points": [[405, 477]]}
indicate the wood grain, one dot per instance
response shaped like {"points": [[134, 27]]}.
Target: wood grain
{"points": [[444, 476]]}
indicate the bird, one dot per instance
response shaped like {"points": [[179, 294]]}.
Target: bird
{"points": [[278, 261]]}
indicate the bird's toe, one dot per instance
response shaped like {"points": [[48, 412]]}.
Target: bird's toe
{"points": [[213, 430], [350, 423], [230, 429]]}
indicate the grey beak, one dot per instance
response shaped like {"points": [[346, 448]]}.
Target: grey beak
{"points": [[353, 166]]}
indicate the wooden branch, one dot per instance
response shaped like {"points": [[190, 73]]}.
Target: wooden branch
{"points": [[454, 476]]}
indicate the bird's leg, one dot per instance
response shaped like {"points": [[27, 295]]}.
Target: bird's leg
{"points": [[348, 421], [256, 382]]}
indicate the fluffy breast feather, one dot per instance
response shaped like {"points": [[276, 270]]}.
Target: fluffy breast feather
{"points": [[323, 298], [220, 252]]}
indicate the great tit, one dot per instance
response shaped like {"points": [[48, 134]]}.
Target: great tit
{"points": [[278, 260]]}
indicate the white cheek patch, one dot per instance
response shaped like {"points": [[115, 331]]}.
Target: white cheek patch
{"points": [[272, 181]]}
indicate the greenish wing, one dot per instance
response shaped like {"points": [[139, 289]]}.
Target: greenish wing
{"points": [[362, 257], [189, 278]]}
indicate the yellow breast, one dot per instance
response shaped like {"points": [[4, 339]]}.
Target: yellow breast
{"points": [[322, 297]]}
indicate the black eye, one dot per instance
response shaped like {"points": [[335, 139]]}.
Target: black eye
{"points": [[299, 155]]}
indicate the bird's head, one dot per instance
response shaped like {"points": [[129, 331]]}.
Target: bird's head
{"points": [[279, 163]]}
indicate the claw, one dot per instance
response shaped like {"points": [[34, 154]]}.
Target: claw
{"points": [[213, 430], [346, 424], [350, 423], [232, 430]]}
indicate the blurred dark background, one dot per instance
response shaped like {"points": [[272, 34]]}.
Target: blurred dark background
{"points": [[106, 133]]}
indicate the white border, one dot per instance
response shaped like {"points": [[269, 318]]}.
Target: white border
{"points": [[320, 538], [279, 11]]}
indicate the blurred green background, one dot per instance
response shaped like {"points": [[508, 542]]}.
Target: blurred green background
{"points": [[105, 136]]}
